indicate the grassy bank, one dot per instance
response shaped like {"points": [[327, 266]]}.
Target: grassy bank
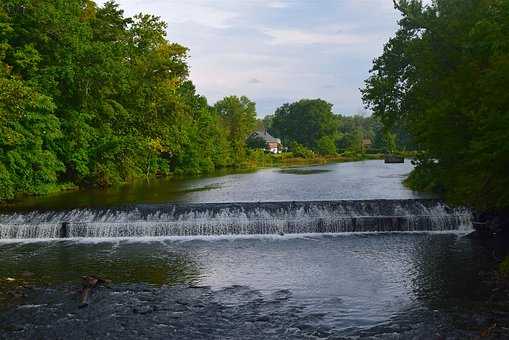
{"points": [[258, 159], [255, 160]]}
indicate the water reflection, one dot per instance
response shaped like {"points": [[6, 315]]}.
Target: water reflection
{"points": [[356, 180], [447, 272], [352, 282], [60, 262]]}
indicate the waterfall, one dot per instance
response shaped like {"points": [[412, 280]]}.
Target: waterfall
{"points": [[236, 219]]}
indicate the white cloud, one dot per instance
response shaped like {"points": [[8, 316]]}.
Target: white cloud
{"points": [[277, 51], [254, 81], [188, 11], [278, 4], [301, 37], [200, 14], [378, 4]]}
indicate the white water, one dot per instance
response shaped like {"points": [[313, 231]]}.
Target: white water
{"points": [[238, 219]]}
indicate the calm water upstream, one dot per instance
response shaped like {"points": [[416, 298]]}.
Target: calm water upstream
{"points": [[336, 181], [425, 285]]}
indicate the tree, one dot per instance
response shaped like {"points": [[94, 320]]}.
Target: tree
{"points": [[326, 145], [256, 142], [91, 97], [441, 77], [28, 133], [390, 141], [239, 117], [308, 122]]}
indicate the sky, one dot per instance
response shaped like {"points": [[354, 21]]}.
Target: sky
{"points": [[277, 51]]}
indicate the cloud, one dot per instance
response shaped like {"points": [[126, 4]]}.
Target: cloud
{"points": [[277, 51], [301, 37], [188, 11], [203, 15], [278, 4]]}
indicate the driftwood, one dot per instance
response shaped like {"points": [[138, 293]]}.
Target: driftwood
{"points": [[88, 283]]}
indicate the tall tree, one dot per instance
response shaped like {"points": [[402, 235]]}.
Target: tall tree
{"points": [[239, 117], [92, 97], [442, 77], [309, 122]]}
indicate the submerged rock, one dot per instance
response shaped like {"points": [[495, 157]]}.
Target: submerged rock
{"points": [[182, 312]]}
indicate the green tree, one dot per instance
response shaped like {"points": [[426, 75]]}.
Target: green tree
{"points": [[239, 117], [256, 142], [442, 78], [326, 145], [28, 132], [310, 123], [93, 97]]}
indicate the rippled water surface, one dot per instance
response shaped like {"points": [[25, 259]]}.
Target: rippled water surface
{"points": [[303, 286], [342, 285]]}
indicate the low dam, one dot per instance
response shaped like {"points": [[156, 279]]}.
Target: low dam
{"points": [[248, 218]]}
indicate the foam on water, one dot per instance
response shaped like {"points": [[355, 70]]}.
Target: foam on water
{"points": [[220, 219]]}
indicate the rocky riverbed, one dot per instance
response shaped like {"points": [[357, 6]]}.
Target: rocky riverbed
{"points": [[197, 312], [378, 286]]}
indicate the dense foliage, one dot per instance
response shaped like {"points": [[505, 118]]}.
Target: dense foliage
{"points": [[310, 124], [89, 96], [444, 78], [239, 116]]}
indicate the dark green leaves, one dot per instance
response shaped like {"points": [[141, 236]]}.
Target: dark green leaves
{"points": [[443, 77]]}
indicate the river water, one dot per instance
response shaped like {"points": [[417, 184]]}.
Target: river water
{"points": [[424, 284], [335, 181]]}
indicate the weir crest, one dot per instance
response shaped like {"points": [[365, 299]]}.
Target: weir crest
{"points": [[248, 218]]}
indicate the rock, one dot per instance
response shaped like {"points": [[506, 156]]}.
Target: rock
{"points": [[90, 282], [389, 158], [491, 224]]}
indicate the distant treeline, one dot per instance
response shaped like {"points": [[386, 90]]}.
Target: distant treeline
{"points": [[444, 77], [311, 124], [90, 97]]}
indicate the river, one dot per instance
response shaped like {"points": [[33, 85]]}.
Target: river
{"points": [[425, 281], [351, 180]]}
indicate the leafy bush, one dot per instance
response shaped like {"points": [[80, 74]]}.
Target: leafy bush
{"points": [[326, 145], [299, 150]]}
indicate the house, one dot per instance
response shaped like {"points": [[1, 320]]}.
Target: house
{"points": [[272, 144], [366, 144]]}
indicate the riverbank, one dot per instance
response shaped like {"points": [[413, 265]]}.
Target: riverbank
{"points": [[264, 160], [359, 180], [256, 161]]}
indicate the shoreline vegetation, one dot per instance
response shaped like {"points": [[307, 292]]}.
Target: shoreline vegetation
{"points": [[441, 78], [258, 160], [90, 97]]}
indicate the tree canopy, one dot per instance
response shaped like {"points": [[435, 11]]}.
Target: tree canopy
{"points": [[91, 97], [239, 118], [309, 122], [443, 77]]}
